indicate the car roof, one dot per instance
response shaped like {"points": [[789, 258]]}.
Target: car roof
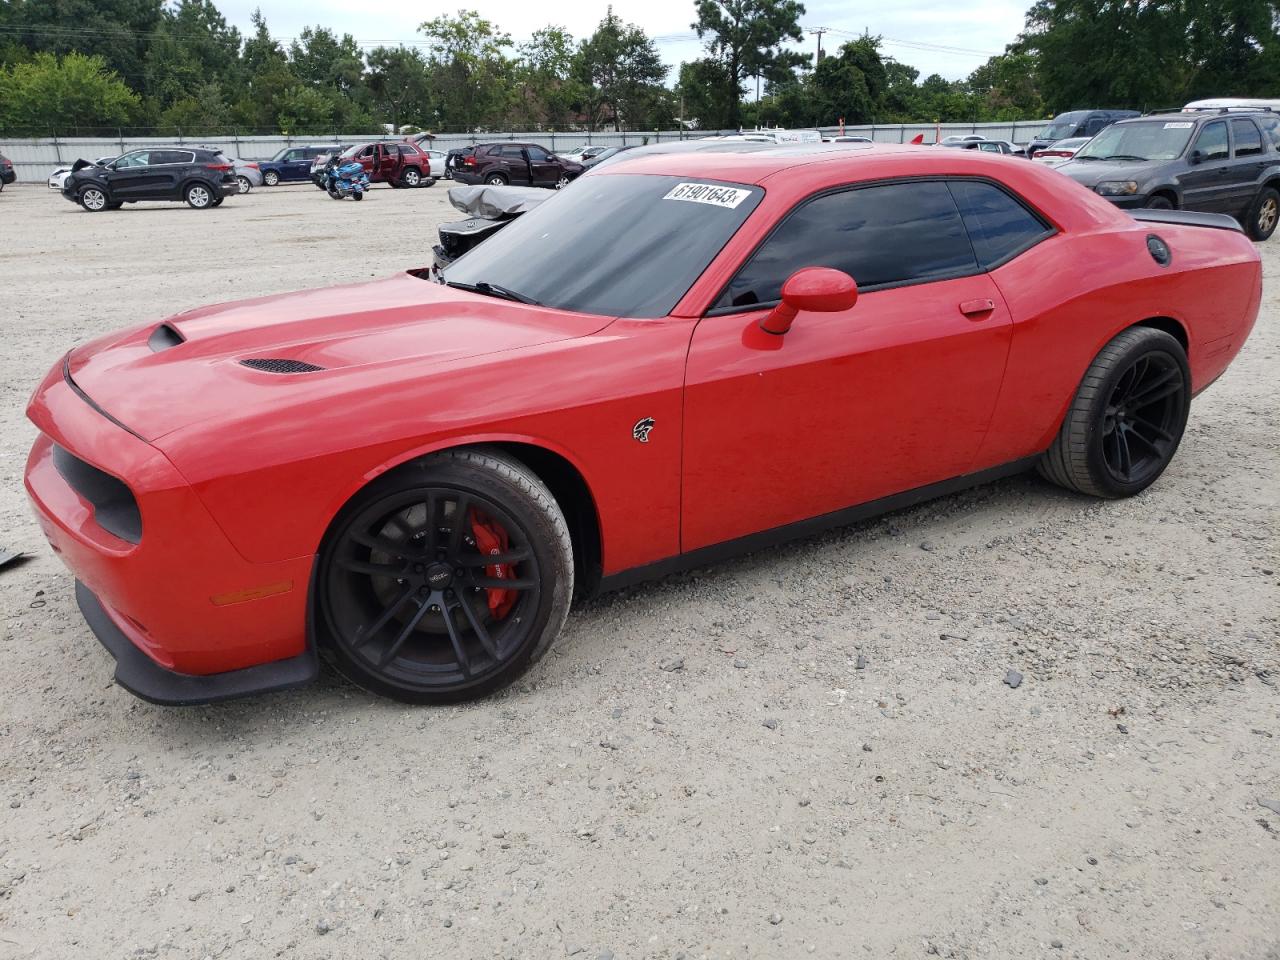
{"points": [[1196, 116], [813, 159]]}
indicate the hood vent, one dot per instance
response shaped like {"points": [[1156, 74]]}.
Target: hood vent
{"points": [[163, 337], [277, 365]]}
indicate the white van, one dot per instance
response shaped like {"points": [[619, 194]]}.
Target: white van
{"points": [[1232, 103], [774, 136]]}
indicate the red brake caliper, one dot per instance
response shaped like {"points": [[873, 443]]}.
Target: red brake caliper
{"points": [[492, 539]]}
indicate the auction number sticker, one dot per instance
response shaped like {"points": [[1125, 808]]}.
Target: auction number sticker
{"points": [[1180, 125], [729, 197]]}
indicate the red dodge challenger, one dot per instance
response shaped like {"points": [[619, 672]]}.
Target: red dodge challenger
{"points": [[679, 357]]}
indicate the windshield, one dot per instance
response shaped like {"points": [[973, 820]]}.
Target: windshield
{"points": [[625, 245], [352, 151], [1056, 131], [280, 153], [1147, 140]]}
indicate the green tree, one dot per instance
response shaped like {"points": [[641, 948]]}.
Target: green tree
{"points": [[621, 74], [745, 37], [851, 84], [471, 77], [323, 60], [49, 93], [192, 45], [204, 112], [1009, 86], [704, 94], [548, 92], [399, 85], [118, 31]]}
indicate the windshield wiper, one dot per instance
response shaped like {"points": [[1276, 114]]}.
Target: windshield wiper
{"points": [[1124, 156], [494, 290]]}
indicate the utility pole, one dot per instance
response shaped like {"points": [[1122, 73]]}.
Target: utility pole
{"points": [[818, 32]]}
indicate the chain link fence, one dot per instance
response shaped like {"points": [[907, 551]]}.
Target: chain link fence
{"points": [[34, 158]]}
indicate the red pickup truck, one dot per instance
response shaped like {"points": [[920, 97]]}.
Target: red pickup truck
{"points": [[400, 164]]}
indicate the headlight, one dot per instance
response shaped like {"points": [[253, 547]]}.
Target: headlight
{"points": [[1117, 188]]}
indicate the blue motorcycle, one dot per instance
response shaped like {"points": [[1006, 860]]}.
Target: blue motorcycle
{"points": [[345, 180]]}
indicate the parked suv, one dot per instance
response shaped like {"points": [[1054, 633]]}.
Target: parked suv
{"points": [[1215, 163], [522, 164], [292, 163], [203, 178], [399, 164], [7, 173], [1076, 123]]}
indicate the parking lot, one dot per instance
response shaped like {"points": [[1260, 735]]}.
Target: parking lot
{"points": [[817, 750]]}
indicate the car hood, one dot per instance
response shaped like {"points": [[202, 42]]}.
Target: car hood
{"points": [[191, 368], [1090, 173]]}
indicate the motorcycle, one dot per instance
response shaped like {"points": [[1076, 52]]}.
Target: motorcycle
{"points": [[345, 180]]}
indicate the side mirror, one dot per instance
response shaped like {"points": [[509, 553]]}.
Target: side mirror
{"points": [[1195, 158], [817, 289]]}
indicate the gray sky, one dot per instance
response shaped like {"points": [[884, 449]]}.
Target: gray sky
{"points": [[934, 37]]}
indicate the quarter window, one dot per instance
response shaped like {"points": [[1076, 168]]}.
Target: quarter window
{"points": [[891, 234], [1271, 127], [1248, 140], [1212, 142], [999, 226]]}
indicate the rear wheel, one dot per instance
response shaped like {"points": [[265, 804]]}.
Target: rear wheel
{"points": [[444, 580], [93, 199], [1127, 418], [1264, 215], [496, 179], [198, 196], [245, 184], [271, 178], [411, 177], [357, 195]]}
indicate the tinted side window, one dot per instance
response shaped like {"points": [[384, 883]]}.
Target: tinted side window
{"points": [[899, 232], [1212, 141], [998, 225], [1271, 127], [513, 153], [537, 154], [1248, 140]]}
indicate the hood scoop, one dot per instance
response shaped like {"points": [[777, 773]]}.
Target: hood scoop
{"points": [[279, 365]]}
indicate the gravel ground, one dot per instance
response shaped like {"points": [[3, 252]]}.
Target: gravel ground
{"points": [[817, 750]]}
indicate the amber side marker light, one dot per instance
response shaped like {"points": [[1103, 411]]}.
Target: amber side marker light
{"points": [[252, 593]]}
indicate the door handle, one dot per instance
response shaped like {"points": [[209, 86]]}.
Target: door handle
{"points": [[977, 309]]}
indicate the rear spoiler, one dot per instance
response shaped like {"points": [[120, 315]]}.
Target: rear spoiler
{"points": [[1215, 221]]}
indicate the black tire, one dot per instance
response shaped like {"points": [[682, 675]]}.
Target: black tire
{"points": [[563, 181], [94, 199], [1264, 214], [217, 201], [411, 179], [403, 599], [271, 178], [333, 192], [245, 184], [496, 180], [1127, 418], [358, 195], [199, 196], [1159, 202]]}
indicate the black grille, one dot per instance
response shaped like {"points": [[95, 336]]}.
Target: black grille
{"points": [[278, 365], [114, 507]]}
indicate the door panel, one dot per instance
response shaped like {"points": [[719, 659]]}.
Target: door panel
{"points": [[894, 394], [1207, 186]]}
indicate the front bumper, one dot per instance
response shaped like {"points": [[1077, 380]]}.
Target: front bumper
{"points": [[179, 592], [1130, 202], [143, 677]]}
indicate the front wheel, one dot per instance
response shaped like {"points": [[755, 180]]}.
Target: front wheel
{"points": [[1159, 202], [1264, 214], [271, 178], [444, 580], [357, 195], [1127, 418], [562, 182], [93, 199]]}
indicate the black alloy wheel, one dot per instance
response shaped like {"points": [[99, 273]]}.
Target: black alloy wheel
{"points": [[1127, 418], [446, 581]]}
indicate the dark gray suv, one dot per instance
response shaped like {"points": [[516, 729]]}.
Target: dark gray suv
{"points": [[1226, 162]]}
